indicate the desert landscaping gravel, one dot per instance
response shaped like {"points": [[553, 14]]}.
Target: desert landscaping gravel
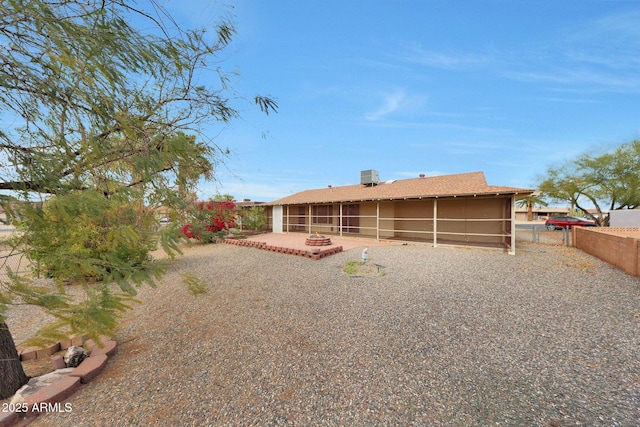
{"points": [[445, 337]]}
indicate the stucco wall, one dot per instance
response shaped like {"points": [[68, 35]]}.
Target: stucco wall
{"points": [[617, 246]]}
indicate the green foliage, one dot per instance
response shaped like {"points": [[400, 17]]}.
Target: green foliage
{"points": [[611, 180], [88, 240], [363, 269], [84, 234], [254, 218], [41, 296], [99, 103], [210, 220], [531, 201], [107, 124], [96, 314], [351, 267], [195, 285]]}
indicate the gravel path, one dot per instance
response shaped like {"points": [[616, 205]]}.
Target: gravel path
{"points": [[447, 337]]}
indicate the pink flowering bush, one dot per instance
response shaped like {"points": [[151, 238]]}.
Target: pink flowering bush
{"points": [[210, 220]]}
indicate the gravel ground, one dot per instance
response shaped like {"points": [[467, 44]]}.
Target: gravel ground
{"points": [[446, 337]]}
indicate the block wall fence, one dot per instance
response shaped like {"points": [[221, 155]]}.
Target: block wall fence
{"points": [[618, 246]]}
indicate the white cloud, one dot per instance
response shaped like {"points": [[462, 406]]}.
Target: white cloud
{"points": [[622, 25], [245, 190], [396, 101], [392, 102], [415, 54], [591, 78], [600, 57]]}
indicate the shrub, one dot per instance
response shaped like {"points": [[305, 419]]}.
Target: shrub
{"points": [[85, 234], [210, 220], [254, 218]]}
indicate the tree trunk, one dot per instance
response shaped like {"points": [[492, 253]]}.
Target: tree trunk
{"points": [[12, 375], [529, 211]]}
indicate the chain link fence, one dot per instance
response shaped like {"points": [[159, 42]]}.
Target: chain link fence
{"points": [[540, 234], [12, 260]]}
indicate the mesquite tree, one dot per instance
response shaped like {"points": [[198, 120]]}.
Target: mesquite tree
{"points": [[101, 122], [606, 181]]}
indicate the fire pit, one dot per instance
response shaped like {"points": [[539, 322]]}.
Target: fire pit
{"points": [[317, 240]]}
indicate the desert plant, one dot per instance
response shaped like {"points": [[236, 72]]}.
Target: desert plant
{"points": [[254, 219], [351, 267], [104, 106], [209, 220], [86, 235]]}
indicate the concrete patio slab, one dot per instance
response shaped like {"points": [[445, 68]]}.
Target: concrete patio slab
{"points": [[297, 241]]}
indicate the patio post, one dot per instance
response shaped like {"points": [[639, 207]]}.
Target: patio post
{"points": [[435, 222], [378, 220], [512, 203]]}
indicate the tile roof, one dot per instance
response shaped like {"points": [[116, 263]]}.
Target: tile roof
{"points": [[464, 184]]}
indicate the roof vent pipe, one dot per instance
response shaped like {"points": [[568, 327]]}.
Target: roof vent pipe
{"points": [[421, 175]]}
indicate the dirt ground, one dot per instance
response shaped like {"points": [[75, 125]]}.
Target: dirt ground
{"points": [[38, 367]]}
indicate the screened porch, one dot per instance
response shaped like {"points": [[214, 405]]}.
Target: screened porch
{"points": [[477, 221]]}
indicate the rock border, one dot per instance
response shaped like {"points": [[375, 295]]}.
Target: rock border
{"points": [[51, 397], [314, 254]]}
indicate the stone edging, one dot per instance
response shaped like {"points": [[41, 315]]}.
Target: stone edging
{"points": [[313, 254], [51, 397]]}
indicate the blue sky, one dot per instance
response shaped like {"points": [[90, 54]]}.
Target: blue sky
{"points": [[408, 87]]}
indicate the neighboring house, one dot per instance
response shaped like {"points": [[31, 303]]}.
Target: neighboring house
{"points": [[540, 213], [459, 209], [246, 204], [543, 213]]}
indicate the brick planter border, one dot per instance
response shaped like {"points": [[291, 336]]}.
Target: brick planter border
{"points": [[315, 254], [61, 389]]}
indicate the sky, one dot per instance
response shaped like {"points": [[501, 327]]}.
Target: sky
{"points": [[507, 87]]}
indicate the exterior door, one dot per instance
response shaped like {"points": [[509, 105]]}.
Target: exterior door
{"points": [[277, 219]]}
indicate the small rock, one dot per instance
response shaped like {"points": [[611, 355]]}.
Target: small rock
{"points": [[74, 356]]}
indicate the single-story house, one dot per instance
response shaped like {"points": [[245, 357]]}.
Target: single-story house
{"points": [[460, 209], [543, 213]]}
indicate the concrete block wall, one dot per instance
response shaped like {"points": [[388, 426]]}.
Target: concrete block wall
{"points": [[618, 247]]}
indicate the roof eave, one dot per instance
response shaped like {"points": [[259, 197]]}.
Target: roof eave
{"points": [[424, 196]]}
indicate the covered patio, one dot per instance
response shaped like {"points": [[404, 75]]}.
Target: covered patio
{"points": [[459, 209]]}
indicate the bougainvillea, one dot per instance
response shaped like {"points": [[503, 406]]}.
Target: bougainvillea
{"points": [[209, 218]]}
